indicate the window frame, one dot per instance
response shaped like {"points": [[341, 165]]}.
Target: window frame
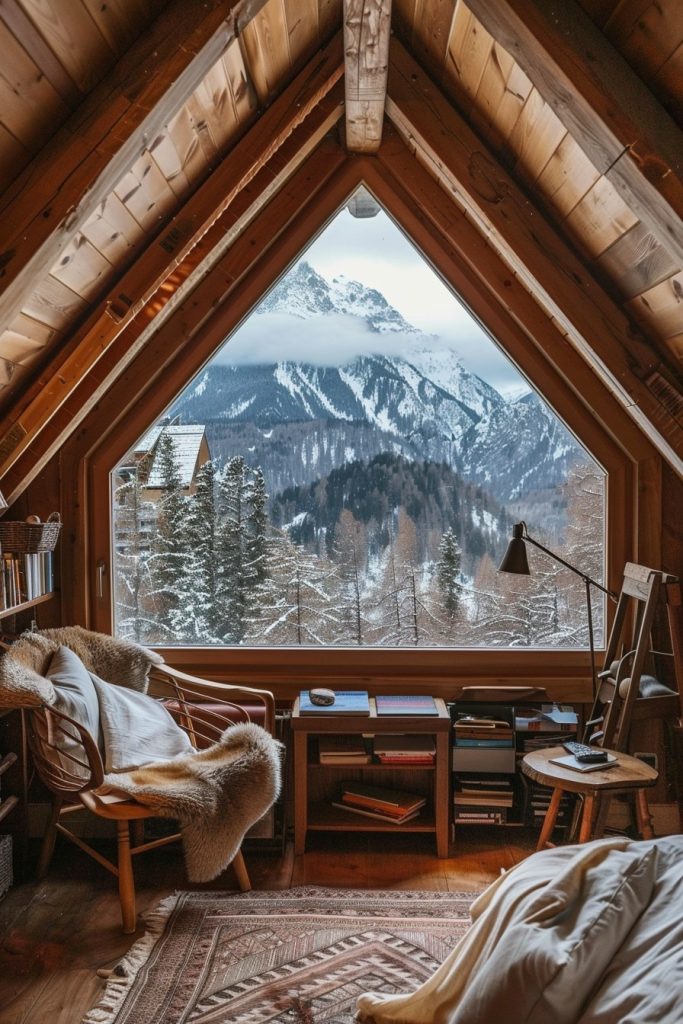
{"points": [[445, 671]]}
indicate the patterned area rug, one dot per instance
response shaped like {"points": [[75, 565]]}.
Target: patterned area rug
{"points": [[298, 956]]}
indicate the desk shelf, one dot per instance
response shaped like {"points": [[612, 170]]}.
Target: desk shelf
{"points": [[316, 785]]}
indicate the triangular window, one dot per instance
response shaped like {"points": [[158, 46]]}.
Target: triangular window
{"points": [[347, 470]]}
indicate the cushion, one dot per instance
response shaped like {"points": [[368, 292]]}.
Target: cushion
{"points": [[136, 728], [76, 697]]}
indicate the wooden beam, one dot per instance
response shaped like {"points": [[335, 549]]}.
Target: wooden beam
{"points": [[549, 267], [367, 25], [604, 105], [162, 305], [158, 265], [59, 190]]}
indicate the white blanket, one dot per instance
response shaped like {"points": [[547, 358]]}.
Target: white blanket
{"points": [[136, 729], [586, 934]]}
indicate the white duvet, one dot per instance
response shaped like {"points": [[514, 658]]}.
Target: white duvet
{"points": [[589, 934]]}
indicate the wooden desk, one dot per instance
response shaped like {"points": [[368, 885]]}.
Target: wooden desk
{"points": [[315, 784], [630, 773]]}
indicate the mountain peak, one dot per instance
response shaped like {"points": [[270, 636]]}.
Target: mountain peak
{"points": [[304, 293]]}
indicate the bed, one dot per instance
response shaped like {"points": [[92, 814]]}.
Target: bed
{"points": [[589, 934]]}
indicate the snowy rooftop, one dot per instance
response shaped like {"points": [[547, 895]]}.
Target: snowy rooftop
{"points": [[186, 441]]}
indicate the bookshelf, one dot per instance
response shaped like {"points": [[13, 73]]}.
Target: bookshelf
{"points": [[317, 785], [24, 606], [493, 768]]}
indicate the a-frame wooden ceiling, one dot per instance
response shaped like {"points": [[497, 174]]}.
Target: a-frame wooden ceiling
{"points": [[139, 138]]}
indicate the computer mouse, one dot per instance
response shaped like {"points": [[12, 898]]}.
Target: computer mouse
{"points": [[321, 696]]}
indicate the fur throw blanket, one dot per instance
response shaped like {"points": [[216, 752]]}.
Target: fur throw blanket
{"points": [[216, 794], [22, 668]]}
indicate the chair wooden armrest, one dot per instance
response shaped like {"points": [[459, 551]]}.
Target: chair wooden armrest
{"points": [[171, 682]]}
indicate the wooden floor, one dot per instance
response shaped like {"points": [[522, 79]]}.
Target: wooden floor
{"points": [[54, 935]]}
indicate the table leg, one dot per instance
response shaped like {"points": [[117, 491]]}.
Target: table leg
{"points": [[442, 803], [549, 820], [643, 816], [300, 791], [587, 817]]}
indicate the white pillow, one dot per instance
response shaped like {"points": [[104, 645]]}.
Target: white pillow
{"points": [[136, 729], [77, 698]]}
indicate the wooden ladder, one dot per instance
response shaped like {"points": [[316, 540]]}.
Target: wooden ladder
{"points": [[630, 661]]}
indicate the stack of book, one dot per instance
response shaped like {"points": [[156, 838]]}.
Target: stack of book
{"points": [[405, 750], [482, 800], [343, 750], [553, 718], [392, 805], [537, 802], [472, 731]]}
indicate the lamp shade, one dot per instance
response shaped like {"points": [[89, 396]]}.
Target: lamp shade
{"points": [[515, 558]]}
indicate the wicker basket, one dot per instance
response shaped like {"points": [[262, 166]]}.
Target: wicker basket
{"points": [[19, 538]]}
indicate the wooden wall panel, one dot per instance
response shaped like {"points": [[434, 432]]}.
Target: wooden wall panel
{"points": [[74, 38]]}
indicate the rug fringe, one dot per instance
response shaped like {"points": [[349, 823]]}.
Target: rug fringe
{"points": [[124, 972]]}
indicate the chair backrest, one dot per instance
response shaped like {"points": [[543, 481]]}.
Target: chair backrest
{"points": [[65, 755]]}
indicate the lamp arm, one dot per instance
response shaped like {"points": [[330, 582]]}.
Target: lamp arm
{"points": [[568, 565]]}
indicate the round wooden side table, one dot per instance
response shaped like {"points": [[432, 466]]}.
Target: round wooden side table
{"points": [[630, 773]]}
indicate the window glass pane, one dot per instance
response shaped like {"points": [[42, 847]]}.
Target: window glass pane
{"points": [[347, 470]]}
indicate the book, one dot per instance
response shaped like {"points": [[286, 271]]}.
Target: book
{"points": [[569, 761], [368, 813], [406, 705], [405, 745], [346, 702], [379, 797]]}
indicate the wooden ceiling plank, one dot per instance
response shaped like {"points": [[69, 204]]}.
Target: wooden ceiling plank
{"points": [[146, 194], [85, 160], [82, 268], [647, 32], [494, 82], [600, 218], [211, 107], [34, 329], [266, 47], [242, 92], [34, 409], [302, 25], [30, 39], [116, 20], [613, 116], [74, 38], [18, 348], [367, 25], [599, 328], [538, 142], [13, 156], [668, 83], [53, 303], [662, 305], [329, 18], [567, 176], [113, 231], [636, 262], [36, 105], [147, 350], [432, 21], [469, 50]]}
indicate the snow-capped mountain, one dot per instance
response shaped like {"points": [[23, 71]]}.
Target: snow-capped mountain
{"points": [[299, 420]]}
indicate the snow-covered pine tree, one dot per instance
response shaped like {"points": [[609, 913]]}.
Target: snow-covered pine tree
{"points": [[202, 576], [350, 554], [169, 558], [231, 540], [132, 582], [448, 573]]}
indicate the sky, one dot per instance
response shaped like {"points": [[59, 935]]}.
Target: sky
{"points": [[375, 252]]}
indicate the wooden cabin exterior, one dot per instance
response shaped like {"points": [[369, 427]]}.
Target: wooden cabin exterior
{"points": [[163, 162]]}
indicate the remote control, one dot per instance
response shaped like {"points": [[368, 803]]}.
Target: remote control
{"points": [[584, 753]]}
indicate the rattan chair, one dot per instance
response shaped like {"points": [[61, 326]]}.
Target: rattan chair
{"points": [[68, 762]]}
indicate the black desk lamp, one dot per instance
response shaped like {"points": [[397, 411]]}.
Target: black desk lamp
{"points": [[515, 560]]}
